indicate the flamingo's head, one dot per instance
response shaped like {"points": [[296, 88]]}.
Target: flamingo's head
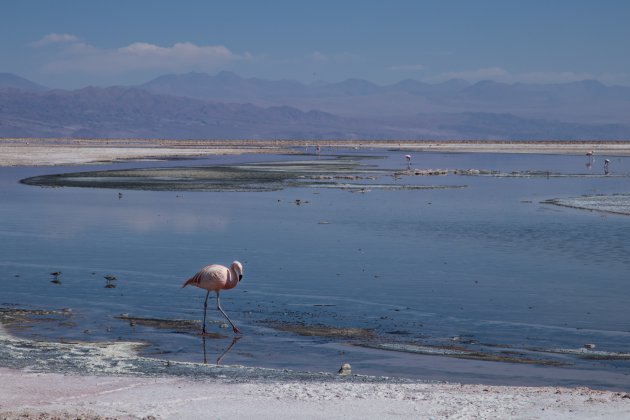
{"points": [[238, 269]]}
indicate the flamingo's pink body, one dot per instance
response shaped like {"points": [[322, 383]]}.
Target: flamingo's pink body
{"points": [[216, 278]]}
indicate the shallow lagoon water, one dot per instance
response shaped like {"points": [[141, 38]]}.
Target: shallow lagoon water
{"points": [[487, 269]]}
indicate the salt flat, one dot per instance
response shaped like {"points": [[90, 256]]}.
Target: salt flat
{"points": [[42, 152], [52, 395]]}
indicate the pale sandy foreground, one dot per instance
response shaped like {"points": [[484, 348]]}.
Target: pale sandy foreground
{"points": [[47, 395]]}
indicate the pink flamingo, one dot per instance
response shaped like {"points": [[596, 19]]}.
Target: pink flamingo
{"points": [[589, 155], [217, 277]]}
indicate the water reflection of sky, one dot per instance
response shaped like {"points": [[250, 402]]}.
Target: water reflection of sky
{"points": [[488, 262]]}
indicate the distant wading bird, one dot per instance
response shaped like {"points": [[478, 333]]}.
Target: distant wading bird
{"points": [[217, 277]]}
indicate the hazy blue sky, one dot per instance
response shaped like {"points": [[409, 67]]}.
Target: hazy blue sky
{"points": [[75, 43]]}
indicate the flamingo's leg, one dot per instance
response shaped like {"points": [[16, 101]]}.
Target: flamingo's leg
{"points": [[234, 328], [205, 310]]}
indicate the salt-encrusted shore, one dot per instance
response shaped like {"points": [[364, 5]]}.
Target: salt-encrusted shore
{"points": [[43, 152], [47, 152], [45, 380], [50, 395]]}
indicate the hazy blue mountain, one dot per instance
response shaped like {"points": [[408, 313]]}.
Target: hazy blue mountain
{"points": [[453, 85], [130, 112], [586, 101], [118, 112], [225, 105], [348, 87], [225, 87], [10, 80]]}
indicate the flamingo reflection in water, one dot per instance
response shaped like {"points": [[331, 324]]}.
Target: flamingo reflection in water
{"points": [[589, 161], [222, 355]]}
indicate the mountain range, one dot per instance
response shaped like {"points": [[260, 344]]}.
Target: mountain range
{"points": [[225, 105], [585, 101]]}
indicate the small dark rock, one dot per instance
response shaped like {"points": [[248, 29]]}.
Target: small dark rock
{"points": [[399, 332]]}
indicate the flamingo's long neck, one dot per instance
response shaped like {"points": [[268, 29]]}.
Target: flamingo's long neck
{"points": [[232, 279]]}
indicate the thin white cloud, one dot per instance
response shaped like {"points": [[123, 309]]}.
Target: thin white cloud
{"points": [[615, 78], [499, 74], [543, 77], [54, 38], [182, 56], [319, 56]]}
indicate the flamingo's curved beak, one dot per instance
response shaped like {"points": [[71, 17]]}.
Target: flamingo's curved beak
{"points": [[240, 276]]}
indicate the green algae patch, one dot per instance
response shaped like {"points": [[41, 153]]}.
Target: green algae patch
{"points": [[168, 324], [253, 177], [340, 172], [219, 178], [18, 318], [322, 330], [462, 353], [585, 353]]}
